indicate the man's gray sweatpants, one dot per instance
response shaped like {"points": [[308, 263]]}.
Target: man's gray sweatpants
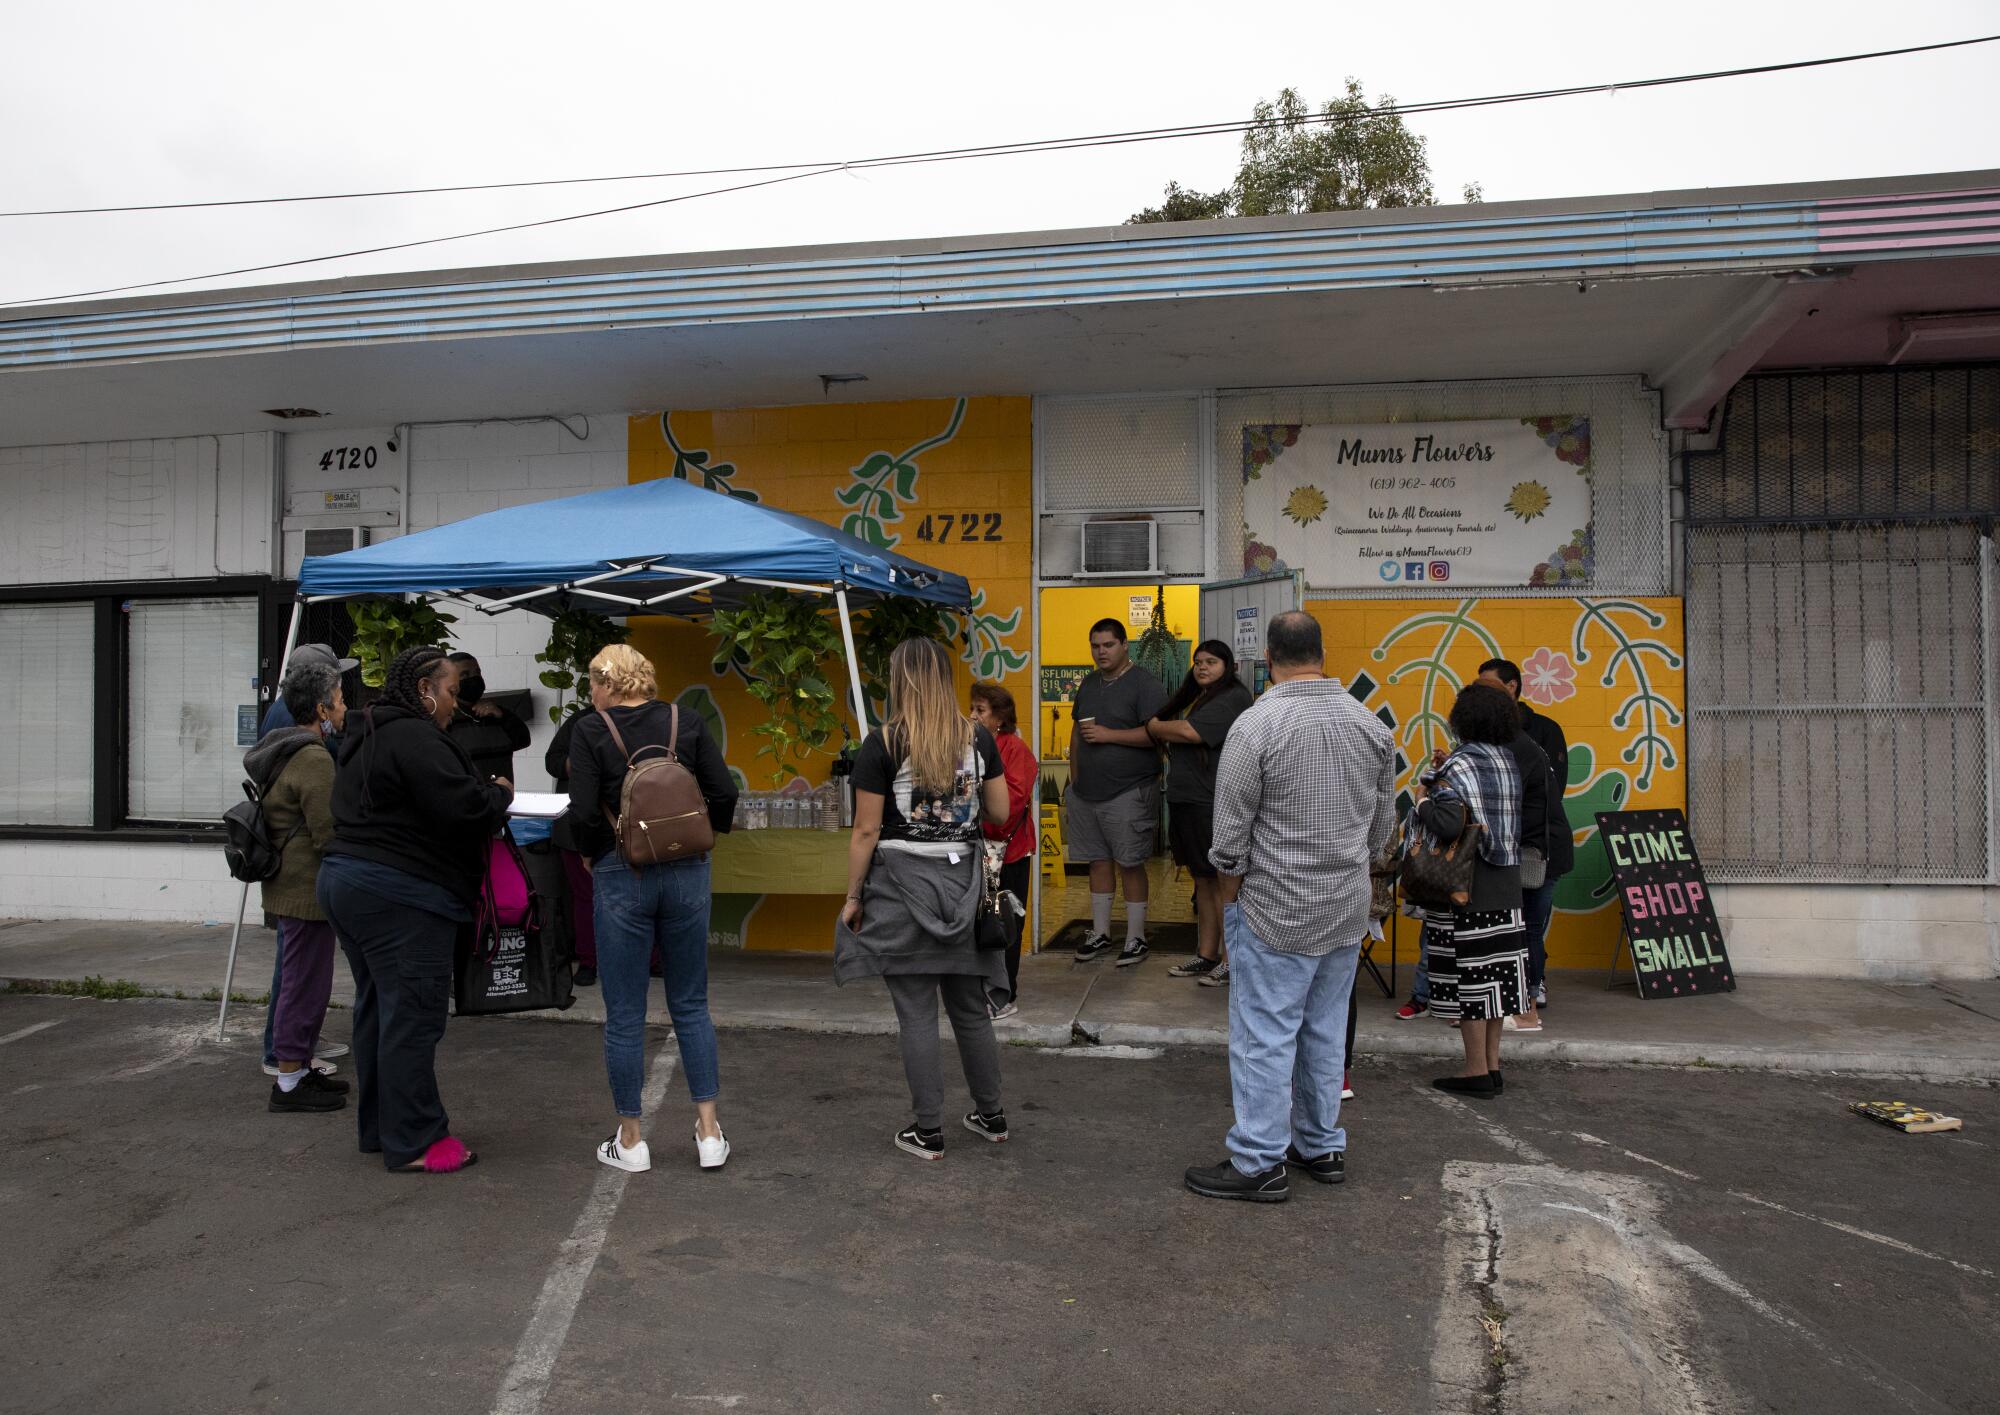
{"points": [[916, 999]]}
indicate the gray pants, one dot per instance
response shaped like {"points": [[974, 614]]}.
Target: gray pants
{"points": [[916, 999]]}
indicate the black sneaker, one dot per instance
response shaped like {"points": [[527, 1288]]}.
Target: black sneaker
{"points": [[1226, 1181], [1478, 1087], [320, 1081], [1134, 951], [1327, 1169], [1092, 947], [303, 1098], [1194, 967], [924, 1144], [992, 1127], [1499, 1082], [585, 977]]}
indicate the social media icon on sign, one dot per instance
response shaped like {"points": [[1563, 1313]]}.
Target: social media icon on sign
{"points": [[1440, 569], [1390, 570], [1413, 570]]}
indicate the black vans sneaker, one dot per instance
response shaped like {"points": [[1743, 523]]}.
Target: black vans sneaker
{"points": [[320, 1081], [304, 1098], [992, 1127], [1194, 967], [1226, 1181], [924, 1144], [1329, 1168], [1134, 951], [1092, 947]]}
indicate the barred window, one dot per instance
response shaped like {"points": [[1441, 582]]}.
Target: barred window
{"points": [[1840, 628]]}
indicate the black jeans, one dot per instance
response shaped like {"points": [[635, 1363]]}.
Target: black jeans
{"points": [[401, 957], [1015, 877]]}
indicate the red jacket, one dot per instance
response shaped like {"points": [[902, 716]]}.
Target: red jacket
{"points": [[1017, 761]]}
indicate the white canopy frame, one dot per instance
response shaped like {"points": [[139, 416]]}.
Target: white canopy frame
{"points": [[588, 588]]}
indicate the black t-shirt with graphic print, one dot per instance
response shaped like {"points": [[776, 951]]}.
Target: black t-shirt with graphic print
{"points": [[910, 813]]}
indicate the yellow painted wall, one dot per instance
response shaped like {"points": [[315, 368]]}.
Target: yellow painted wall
{"points": [[1609, 670], [945, 481], [1066, 616]]}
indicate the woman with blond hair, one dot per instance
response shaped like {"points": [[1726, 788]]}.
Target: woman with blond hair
{"points": [[643, 908], [925, 782]]}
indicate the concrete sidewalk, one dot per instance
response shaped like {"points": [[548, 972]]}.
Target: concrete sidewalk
{"points": [[1943, 1032]]}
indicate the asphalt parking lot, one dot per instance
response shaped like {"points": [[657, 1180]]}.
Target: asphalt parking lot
{"points": [[1656, 1239]]}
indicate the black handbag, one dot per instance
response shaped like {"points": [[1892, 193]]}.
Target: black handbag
{"points": [[994, 925], [511, 967], [1438, 876]]}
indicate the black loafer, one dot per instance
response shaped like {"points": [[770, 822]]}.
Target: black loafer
{"points": [[1226, 1181], [1330, 1168]]}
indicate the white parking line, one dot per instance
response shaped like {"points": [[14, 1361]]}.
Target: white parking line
{"points": [[30, 1031], [527, 1379]]}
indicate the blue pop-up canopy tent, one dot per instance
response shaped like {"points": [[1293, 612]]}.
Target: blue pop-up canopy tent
{"points": [[657, 547]]}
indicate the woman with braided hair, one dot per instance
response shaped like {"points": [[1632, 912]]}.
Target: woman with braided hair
{"points": [[411, 822]]}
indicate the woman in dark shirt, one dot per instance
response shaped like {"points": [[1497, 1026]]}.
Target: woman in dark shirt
{"points": [[639, 909], [575, 864], [925, 783], [1212, 698], [489, 733], [411, 824]]}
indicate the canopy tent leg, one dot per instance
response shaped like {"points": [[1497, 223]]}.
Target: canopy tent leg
{"points": [[243, 900], [853, 662]]}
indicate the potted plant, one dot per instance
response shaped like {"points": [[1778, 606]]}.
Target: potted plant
{"points": [[576, 636], [781, 642], [384, 628]]}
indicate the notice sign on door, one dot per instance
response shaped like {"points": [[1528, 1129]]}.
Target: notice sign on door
{"points": [[1669, 918], [1249, 632], [1383, 506]]}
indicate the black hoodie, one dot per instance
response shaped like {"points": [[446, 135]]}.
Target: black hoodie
{"points": [[407, 796]]}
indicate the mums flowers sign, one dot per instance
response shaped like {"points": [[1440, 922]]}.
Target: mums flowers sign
{"points": [[1498, 502]]}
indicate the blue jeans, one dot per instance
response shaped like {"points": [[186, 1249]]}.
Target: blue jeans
{"points": [[1287, 1047], [1420, 990], [1537, 907], [636, 911]]}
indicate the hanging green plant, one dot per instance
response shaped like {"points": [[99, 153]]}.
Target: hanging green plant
{"points": [[576, 636], [888, 623], [384, 628], [1158, 651], [783, 642]]}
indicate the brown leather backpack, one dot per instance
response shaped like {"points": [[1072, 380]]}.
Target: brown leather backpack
{"points": [[661, 813]]}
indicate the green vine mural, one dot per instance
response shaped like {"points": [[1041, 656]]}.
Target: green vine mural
{"points": [[692, 462], [884, 482], [985, 636], [1650, 744], [1440, 681]]}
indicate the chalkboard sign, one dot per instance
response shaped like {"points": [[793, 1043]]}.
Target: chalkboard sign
{"points": [[1059, 681], [1669, 916]]}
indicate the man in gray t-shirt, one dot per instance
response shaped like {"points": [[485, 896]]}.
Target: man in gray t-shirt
{"points": [[1112, 806]]}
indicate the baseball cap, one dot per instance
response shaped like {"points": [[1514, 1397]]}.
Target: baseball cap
{"points": [[322, 653]]}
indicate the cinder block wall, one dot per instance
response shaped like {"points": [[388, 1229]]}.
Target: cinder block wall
{"points": [[1892, 933]]}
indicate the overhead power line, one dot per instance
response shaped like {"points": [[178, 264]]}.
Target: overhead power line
{"points": [[798, 171]]}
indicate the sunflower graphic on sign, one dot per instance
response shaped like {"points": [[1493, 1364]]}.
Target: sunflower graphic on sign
{"points": [[1528, 500], [1305, 505]]}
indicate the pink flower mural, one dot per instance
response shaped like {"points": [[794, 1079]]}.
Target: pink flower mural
{"points": [[1547, 677]]}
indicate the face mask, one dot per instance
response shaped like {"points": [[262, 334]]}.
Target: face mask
{"points": [[326, 727], [471, 689]]}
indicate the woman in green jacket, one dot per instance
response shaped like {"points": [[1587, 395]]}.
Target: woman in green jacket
{"points": [[293, 771]]}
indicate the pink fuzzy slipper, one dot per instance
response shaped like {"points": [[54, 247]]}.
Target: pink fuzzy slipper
{"points": [[447, 1156]]}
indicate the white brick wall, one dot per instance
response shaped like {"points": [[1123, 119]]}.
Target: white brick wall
{"points": [[1891, 933], [102, 880]]}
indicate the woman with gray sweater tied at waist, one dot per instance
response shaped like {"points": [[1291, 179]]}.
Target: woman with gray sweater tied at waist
{"points": [[924, 782]]}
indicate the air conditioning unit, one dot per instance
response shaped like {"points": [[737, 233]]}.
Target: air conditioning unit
{"points": [[1120, 549], [333, 540]]}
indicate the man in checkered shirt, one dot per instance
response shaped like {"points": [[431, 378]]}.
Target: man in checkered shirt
{"points": [[1305, 796]]}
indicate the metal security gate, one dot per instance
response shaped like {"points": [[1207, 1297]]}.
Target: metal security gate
{"points": [[1239, 611], [1841, 629]]}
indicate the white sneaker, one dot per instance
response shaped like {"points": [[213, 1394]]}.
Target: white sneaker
{"points": [[635, 1160], [712, 1153]]}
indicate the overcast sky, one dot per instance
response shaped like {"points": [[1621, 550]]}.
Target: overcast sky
{"points": [[131, 102]]}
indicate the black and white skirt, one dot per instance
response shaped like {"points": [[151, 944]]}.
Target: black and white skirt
{"points": [[1478, 964]]}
